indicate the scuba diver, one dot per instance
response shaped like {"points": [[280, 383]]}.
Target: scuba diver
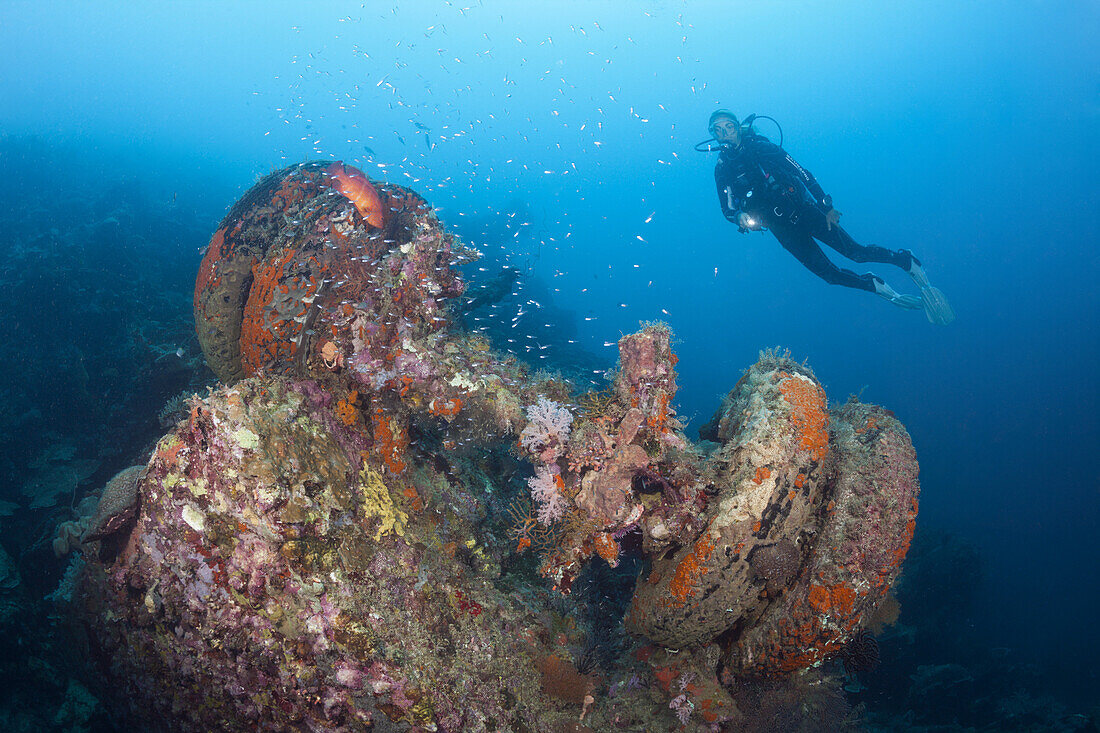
{"points": [[760, 186]]}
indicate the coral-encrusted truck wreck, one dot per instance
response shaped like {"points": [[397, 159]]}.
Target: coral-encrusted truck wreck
{"points": [[320, 544]]}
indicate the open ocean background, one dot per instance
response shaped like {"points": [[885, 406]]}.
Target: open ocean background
{"points": [[557, 137]]}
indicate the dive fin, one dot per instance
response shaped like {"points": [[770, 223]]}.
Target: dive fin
{"points": [[909, 302], [936, 308], [883, 289]]}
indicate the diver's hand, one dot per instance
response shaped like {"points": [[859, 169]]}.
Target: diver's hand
{"points": [[832, 218]]}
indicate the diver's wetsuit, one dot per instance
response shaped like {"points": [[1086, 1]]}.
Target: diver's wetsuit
{"points": [[762, 180]]}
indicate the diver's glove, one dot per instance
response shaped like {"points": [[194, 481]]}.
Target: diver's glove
{"points": [[882, 289]]}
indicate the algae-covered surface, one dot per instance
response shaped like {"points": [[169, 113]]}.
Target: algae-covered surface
{"points": [[380, 522]]}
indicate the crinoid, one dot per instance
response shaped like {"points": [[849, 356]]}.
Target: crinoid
{"points": [[861, 654]]}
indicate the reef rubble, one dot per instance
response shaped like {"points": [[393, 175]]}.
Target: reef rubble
{"points": [[335, 538]]}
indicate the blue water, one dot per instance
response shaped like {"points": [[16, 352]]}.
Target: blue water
{"points": [[964, 131]]}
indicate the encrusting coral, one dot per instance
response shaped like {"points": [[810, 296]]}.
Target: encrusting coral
{"points": [[329, 541]]}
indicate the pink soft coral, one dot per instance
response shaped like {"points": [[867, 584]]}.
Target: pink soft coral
{"points": [[546, 486], [547, 429]]}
